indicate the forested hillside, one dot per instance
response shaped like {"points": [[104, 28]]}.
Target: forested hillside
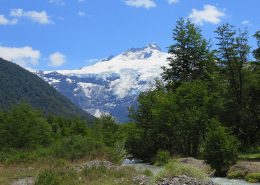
{"points": [[19, 85]]}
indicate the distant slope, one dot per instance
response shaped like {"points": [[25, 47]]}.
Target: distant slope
{"points": [[18, 85]]}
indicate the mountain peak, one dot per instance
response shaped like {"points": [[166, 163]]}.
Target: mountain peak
{"points": [[154, 46], [141, 53], [151, 46]]}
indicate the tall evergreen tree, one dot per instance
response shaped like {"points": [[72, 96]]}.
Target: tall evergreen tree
{"points": [[190, 54]]}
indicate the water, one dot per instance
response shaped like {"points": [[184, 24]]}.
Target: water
{"points": [[138, 165], [225, 181]]}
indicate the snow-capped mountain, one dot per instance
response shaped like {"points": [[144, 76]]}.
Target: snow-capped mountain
{"points": [[113, 84]]}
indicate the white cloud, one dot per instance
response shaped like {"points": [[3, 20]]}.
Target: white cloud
{"points": [[209, 14], [39, 17], [57, 2], [245, 22], [173, 1], [81, 14], [24, 56], [141, 3], [57, 59], [5, 21]]}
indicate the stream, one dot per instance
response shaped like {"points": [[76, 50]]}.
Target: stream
{"points": [[138, 165]]}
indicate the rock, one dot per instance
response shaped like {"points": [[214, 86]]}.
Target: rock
{"points": [[184, 180], [241, 169], [24, 181], [95, 164], [142, 180]]}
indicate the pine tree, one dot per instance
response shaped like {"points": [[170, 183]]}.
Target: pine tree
{"points": [[190, 55]]}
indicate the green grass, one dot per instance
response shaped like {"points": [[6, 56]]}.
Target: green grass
{"points": [[174, 168], [253, 177], [236, 175], [250, 157]]}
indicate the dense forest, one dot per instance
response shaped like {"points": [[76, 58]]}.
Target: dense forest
{"points": [[27, 135], [19, 85], [207, 104]]}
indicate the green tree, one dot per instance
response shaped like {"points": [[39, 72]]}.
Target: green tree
{"points": [[24, 128], [175, 121], [257, 50], [190, 56], [220, 148], [233, 51]]}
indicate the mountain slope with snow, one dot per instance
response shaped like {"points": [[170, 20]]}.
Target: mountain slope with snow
{"points": [[111, 85]]}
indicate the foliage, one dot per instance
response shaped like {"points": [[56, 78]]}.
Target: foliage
{"points": [[221, 148], [236, 175], [162, 157], [174, 168], [19, 85], [26, 136], [57, 177], [191, 58], [256, 52], [24, 127], [76, 147], [253, 177], [200, 86], [250, 157], [173, 121]]}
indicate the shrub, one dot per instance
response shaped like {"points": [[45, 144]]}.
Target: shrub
{"points": [[162, 157], [76, 147], [220, 148], [253, 177], [57, 177], [24, 128], [236, 175], [48, 177], [174, 168]]}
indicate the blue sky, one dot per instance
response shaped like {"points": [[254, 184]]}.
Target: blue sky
{"points": [[69, 34]]}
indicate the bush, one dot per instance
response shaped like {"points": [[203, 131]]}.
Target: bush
{"points": [[236, 175], [162, 157], [174, 168], [102, 175], [76, 147], [253, 177], [220, 148], [24, 128]]}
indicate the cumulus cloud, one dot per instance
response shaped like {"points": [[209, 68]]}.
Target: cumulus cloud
{"points": [[25, 56], [173, 1], [39, 17], [209, 14], [57, 2], [140, 3], [81, 14], [57, 59], [6, 21]]}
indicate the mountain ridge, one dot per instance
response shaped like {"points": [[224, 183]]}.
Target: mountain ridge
{"points": [[112, 85], [19, 85]]}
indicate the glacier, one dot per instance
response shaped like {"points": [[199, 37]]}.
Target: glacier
{"points": [[113, 84]]}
